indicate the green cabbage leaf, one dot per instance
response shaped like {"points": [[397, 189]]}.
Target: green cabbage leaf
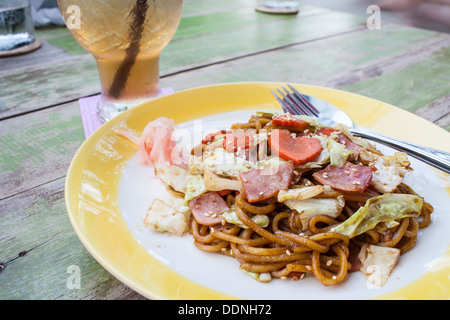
{"points": [[385, 208]]}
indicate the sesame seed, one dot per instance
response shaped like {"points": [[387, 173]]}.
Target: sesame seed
{"points": [[354, 170], [261, 193], [288, 252], [283, 278], [296, 173], [325, 175], [308, 268], [214, 215], [347, 172], [329, 262], [302, 276], [334, 277]]}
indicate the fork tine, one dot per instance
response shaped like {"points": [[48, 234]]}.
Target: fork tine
{"points": [[299, 106], [285, 106], [292, 107], [304, 101]]}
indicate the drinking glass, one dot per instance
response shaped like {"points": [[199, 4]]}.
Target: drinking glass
{"points": [[16, 25], [126, 38]]}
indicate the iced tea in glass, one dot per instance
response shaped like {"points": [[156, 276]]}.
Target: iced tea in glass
{"points": [[126, 38]]}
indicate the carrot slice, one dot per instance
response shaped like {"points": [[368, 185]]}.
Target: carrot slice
{"points": [[326, 131], [300, 150], [286, 120]]}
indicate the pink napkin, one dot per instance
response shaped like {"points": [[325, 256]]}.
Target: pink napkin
{"points": [[88, 107]]}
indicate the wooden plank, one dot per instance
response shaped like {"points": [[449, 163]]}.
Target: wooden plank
{"points": [[38, 147], [38, 243], [412, 85], [341, 60], [438, 111], [372, 63], [46, 85], [45, 55], [57, 132], [40, 250]]}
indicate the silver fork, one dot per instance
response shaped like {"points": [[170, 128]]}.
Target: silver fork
{"points": [[294, 102]]}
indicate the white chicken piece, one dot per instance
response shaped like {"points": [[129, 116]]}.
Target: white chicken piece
{"points": [[215, 183], [390, 172], [378, 263], [219, 162], [161, 218], [177, 202], [173, 176]]}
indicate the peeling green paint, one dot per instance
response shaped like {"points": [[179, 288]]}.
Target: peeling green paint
{"points": [[411, 87]]}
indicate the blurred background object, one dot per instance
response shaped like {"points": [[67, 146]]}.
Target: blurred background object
{"points": [[17, 34], [278, 6], [46, 12], [426, 14]]}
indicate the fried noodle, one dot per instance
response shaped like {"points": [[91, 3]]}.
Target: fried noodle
{"points": [[283, 250]]}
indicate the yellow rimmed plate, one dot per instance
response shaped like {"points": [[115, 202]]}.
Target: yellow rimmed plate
{"points": [[108, 193]]}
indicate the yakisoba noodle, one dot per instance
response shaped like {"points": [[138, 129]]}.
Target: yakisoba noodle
{"points": [[285, 248]]}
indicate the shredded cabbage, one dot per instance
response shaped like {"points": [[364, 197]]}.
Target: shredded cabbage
{"points": [[261, 277], [299, 193], [338, 153], [384, 208], [195, 187], [309, 208], [231, 216]]}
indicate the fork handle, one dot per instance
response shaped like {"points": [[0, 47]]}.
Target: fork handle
{"points": [[436, 158]]}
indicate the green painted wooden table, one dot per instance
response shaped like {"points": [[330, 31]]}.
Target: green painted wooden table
{"points": [[217, 42]]}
